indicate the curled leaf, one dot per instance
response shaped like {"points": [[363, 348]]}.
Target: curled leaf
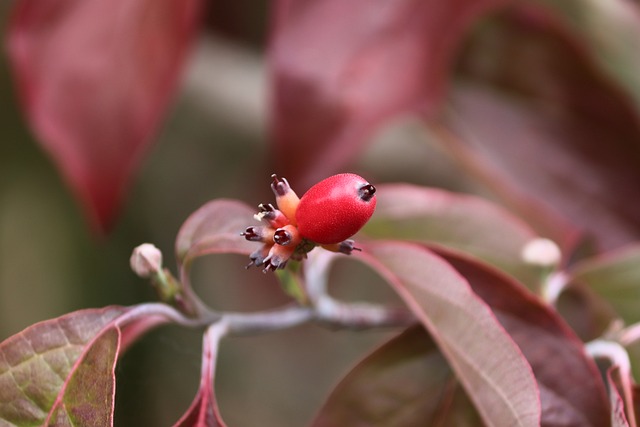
{"points": [[214, 228]]}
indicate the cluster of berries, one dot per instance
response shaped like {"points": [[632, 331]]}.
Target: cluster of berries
{"points": [[328, 214]]}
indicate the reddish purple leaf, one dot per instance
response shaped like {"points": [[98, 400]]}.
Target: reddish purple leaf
{"points": [[485, 358], [204, 412], [95, 78], [405, 383], [60, 372], [214, 228], [571, 388], [341, 68], [546, 128]]}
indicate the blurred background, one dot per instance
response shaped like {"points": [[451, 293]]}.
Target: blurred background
{"points": [[518, 80], [211, 145]]}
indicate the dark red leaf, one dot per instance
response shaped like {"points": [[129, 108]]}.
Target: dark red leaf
{"points": [[95, 78], [214, 228], [571, 388], [546, 128], [340, 68]]}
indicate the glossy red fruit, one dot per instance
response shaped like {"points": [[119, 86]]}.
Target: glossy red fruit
{"points": [[335, 208]]}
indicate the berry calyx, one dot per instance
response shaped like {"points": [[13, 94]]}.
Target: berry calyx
{"points": [[270, 214], [335, 209], [287, 236], [286, 199]]}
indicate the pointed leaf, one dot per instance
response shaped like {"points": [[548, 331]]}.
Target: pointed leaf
{"points": [[574, 397], [95, 78], [615, 277], [571, 388], [406, 382], [60, 372], [204, 412], [484, 357], [463, 222], [214, 228], [341, 68]]}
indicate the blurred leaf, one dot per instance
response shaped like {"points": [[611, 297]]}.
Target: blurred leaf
{"points": [[615, 277], [610, 30], [546, 130], [60, 372], [406, 382], [214, 228], [588, 315], [204, 412], [571, 388], [95, 78], [484, 357], [462, 222], [341, 68]]}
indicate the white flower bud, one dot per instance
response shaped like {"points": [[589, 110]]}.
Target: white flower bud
{"points": [[541, 252], [146, 260]]}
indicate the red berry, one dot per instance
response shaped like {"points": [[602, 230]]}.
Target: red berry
{"points": [[335, 208]]}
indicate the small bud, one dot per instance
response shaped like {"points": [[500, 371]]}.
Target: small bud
{"points": [[286, 198], [146, 260], [541, 252]]}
